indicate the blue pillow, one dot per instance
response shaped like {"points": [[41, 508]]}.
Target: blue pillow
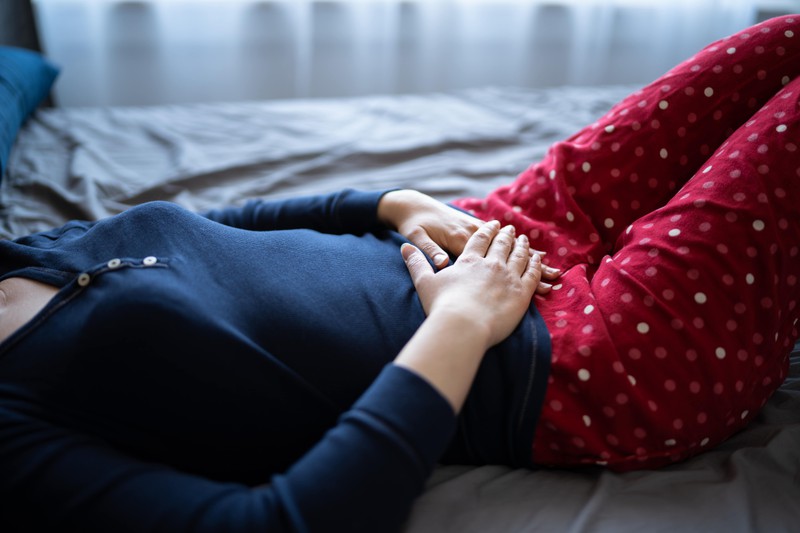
{"points": [[25, 80]]}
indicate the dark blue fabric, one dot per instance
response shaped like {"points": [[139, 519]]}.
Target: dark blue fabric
{"points": [[160, 392], [25, 80]]}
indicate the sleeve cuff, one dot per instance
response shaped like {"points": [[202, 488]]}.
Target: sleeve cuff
{"points": [[357, 211]]}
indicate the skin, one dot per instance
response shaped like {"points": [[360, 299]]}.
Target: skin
{"points": [[20, 300], [436, 228]]}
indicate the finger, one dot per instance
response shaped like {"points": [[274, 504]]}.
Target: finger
{"points": [[520, 256], [431, 249], [533, 274], [543, 288], [502, 244], [480, 241], [550, 273], [418, 267]]}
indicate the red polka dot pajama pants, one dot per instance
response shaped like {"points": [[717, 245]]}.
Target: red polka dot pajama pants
{"points": [[675, 219]]}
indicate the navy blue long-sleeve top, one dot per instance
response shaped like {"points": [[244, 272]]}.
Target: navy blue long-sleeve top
{"points": [[231, 372]]}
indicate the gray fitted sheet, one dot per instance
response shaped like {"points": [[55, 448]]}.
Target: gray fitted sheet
{"points": [[90, 163]]}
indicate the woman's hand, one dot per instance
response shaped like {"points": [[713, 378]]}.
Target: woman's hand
{"points": [[436, 228], [490, 286], [432, 226]]}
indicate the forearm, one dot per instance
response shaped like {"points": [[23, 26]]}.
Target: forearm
{"points": [[346, 211], [446, 351]]}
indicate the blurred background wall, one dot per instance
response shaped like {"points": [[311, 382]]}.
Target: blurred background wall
{"points": [[141, 52]]}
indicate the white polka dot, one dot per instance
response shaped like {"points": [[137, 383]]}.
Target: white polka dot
{"points": [[731, 50], [708, 91], [720, 352], [789, 33], [642, 327], [704, 442], [583, 374], [609, 223], [674, 232], [700, 298], [670, 442], [609, 128], [587, 421], [758, 225], [663, 153], [555, 405], [586, 166], [781, 128], [632, 379], [570, 216], [707, 169], [744, 414]]}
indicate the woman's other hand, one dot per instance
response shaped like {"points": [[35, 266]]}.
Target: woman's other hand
{"points": [[436, 228], [432, 226], [489, 286]]}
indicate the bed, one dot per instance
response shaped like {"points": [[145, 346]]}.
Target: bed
{"points": [[87, 163]]}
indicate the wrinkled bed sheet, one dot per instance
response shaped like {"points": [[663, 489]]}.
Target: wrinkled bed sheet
{"points": [[90, 163]]}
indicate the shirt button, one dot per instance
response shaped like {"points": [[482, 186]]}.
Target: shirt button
{"points": [[114, 263], [84, 279], [149, 260]]}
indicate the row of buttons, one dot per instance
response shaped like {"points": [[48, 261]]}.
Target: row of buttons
{"points": [[85, 278]]}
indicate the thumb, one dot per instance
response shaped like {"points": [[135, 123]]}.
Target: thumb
{"points": [[417, 265]]}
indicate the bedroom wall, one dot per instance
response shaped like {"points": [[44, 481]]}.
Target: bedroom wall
{"points": [[138, 52]]}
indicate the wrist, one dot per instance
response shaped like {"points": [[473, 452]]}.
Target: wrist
{"points": [[396, 206], [446, 351], [462, 325], [390, 207]]}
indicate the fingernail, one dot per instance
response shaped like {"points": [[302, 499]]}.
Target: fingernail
{"points": [[406, 250], [545, 285], [537, 258], [439, 259], [522, 239], [509, 229]]}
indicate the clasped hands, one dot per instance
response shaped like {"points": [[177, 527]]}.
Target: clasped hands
{"points": [[496, 272]]}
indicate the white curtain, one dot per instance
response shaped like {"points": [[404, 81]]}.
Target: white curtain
{"points": [[136, 52]]}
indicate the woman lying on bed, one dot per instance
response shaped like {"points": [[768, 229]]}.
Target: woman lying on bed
{"points": [[167, 365]]}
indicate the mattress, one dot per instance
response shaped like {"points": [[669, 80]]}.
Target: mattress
{"points": [[93, 162]]}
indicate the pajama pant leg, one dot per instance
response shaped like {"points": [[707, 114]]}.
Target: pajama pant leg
{"points": [[674, 340], [700, 304], [589, 188]]}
